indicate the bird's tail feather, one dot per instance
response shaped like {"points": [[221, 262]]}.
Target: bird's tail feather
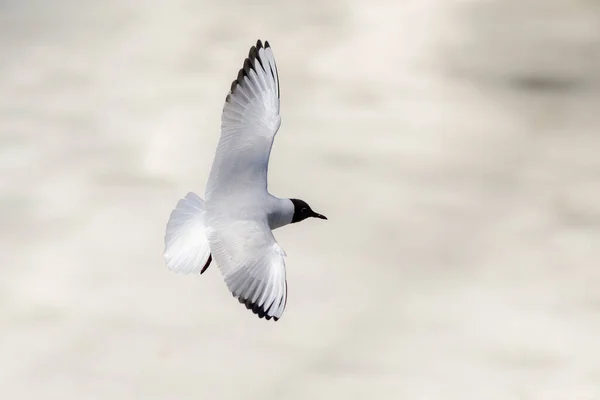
{"points": [[186, 245]]}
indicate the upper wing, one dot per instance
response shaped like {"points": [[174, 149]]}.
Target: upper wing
{"points": [[249, 123], [253, 265]]}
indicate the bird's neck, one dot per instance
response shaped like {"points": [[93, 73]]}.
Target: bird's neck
{"points": [[281, 214]]}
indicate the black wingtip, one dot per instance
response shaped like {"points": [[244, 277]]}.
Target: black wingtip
{"points": [[253, 56], [207, 264], [253, 53], [260, 311], [250, 64], [240, 76], [247, 66]]}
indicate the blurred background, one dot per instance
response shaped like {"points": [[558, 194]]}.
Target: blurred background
{"points": [[454, 146]]}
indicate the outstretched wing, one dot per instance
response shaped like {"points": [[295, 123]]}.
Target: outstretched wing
{"points": [[253, 265], [249, 123]]}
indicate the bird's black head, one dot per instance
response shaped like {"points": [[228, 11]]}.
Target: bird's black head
{"points": [[303, 211]]}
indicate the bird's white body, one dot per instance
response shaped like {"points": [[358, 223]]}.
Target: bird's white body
{"points": [[277, 212], [233, 225]]}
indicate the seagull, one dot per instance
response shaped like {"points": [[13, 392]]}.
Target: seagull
{"points": [[233, 225]]}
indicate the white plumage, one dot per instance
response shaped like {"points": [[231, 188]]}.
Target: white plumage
{"points": [[233, 226]]}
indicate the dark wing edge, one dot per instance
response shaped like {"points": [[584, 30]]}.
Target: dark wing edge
{"points": [[261, 311], [265, 60]]}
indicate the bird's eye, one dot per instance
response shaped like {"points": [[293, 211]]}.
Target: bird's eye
{"points": [[303, 210]]}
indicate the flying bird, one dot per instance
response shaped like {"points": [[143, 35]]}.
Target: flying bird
{"points": [[233, 225]]}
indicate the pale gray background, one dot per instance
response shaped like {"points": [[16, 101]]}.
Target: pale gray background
{"points": [[454, 146]]}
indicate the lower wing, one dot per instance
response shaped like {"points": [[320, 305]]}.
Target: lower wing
{"points": [[253, 265]]}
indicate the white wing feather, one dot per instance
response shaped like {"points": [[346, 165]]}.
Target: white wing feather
{"points": [[249, 123], [243, 246], [253, 265]]}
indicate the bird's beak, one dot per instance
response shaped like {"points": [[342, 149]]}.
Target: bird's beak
{"points": [[315, 215]]}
